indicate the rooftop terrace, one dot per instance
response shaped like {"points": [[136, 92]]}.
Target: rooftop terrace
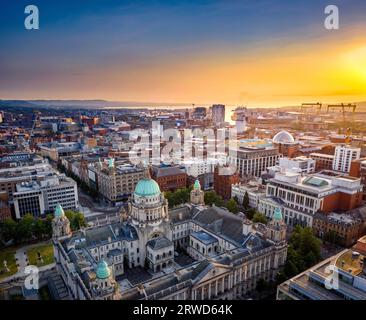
{"points": [[352, 262]]}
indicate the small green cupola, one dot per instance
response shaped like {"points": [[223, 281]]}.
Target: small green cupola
{"points": [[277, 216], [197, 185], [103, 271], [59, 212]]}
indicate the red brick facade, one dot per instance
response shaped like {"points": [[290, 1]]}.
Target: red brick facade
{"points": [[172, 183], [223, 182], [341, 201], [169, 178]]}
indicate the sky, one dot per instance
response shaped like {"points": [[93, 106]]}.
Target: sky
{"points": [[239, 52]]}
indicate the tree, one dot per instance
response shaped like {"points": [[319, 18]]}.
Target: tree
{"points": [[310, 259], [8, 228], [211, 197], [39, 228], [280, 277], [259, 217], [178, 197], [303, 251], [169, 196], [309, 243], [77, 219], [246, 200], [219, 202], [232, 206], [250, 213], [48, 225], [290, 269], [24, 229]]}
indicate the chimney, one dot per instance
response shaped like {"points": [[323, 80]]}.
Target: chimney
{"points": [[247, 227]]}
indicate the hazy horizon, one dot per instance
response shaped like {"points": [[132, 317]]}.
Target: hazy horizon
{"points": [[98, 103]]}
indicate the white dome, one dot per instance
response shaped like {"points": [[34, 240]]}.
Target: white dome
{"points": [[283, 137]]}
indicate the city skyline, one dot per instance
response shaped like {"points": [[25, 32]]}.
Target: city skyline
{"points": [[261, 54]]}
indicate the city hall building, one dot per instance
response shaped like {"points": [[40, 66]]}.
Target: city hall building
{"points": [[188, 252]]}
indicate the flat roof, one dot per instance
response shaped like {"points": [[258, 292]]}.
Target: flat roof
{"points": [[351, 262], [204, 237]]}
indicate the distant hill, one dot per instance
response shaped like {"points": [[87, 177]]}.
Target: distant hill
{"points": [[92, 104], [16, 103], [99, 104]]}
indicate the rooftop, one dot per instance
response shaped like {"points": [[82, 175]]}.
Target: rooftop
{"points": [[351, 262], [159, 243], [164, 171], [204, 237], [147, 187]]}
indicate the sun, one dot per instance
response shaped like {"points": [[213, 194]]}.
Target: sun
{"points": [[356, 61]]}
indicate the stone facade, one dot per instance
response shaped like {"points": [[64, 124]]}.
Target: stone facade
{"points": [[225, 259]]}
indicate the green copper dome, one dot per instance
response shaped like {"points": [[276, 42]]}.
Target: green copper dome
{"points": [[197, 185], [147, 187], [59, 212], [103, 271], [277, 214]]}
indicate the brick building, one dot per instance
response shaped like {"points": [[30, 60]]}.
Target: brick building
{"points": [[223, 180], [4, 207], [347, 227], [322, 161], [301, 196], [358, 170], [169, 178]]}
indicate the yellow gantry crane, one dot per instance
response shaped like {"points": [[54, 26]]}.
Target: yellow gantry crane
{"points": [[343, 107], [313, 106]]}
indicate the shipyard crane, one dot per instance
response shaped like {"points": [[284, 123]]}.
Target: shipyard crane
{"points": [[343, 108], [317, 106]]}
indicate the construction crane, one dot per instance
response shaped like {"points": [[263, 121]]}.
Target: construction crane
{"points": [[343, 108], [27, 143], [317, 106]]}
